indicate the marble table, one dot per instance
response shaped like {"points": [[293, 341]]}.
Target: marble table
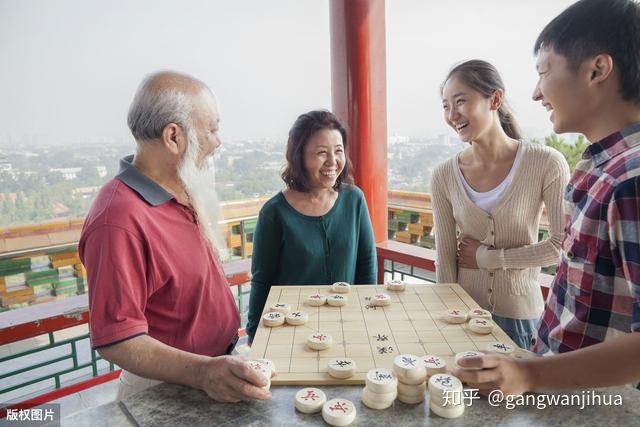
{"points": [[175, 405]]}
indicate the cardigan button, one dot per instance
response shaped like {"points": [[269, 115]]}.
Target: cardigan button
{"points": [[570, 255]]}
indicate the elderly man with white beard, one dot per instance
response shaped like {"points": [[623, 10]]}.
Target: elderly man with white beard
{"points": [[159, 304]]}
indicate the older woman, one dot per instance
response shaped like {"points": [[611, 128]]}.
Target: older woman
{"points": [[317, 231]]}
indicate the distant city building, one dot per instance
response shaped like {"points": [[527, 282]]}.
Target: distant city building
{"points": [[7, 170], [398, 139], [84, 192], [60, 210], [9, 196], [67, 173]]}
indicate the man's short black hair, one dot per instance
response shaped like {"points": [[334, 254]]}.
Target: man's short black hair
{"points": [[591, 27]]}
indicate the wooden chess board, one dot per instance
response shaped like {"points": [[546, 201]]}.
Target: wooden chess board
{"points": [[371, 336]]}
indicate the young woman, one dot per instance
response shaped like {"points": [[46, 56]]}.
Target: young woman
{"points": [[317, 231], [488, 199]]}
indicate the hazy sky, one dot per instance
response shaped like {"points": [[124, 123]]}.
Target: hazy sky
{"points": [[69, 68]]}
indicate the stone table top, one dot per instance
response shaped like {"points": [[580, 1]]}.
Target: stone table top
{"points": [[175, 405]]}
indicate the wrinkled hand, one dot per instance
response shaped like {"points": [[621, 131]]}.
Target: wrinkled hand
{"points": [[230, 379], [466, 253], [511, 376]]}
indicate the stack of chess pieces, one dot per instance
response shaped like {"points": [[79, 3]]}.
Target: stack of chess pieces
{"points": [[381, 389], [411, 374], [445, 396]]}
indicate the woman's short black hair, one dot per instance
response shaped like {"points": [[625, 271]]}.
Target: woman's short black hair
{"points": [[305, 126]]}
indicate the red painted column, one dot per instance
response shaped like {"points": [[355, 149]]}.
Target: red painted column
{"points": [[359, 96]]}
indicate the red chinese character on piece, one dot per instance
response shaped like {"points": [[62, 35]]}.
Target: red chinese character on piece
{"points": [[339, 406], [310, 395], [482, 322], [319, 337]]}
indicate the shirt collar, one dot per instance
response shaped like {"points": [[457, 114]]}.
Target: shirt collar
{"points": [[612, 145], [149, 190]]}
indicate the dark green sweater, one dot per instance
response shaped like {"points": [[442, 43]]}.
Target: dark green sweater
{"points": [[290, 248]]}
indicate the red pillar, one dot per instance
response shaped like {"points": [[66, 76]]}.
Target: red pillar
{"points": [[359, 96]]}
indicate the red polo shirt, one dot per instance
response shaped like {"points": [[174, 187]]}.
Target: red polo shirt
{"points": [[151, 271]]}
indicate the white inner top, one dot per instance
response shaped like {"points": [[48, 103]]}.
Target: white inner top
{"points": [[487, 201]]}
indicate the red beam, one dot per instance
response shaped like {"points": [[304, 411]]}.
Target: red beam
{"points": [[359, 96], [238, 272], [43, 326], [404, 253]]}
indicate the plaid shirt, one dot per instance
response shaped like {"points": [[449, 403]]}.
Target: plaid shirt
{"points": [[596, 292]]}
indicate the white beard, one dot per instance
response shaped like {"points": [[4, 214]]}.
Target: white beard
{"points": [[200, 186]]}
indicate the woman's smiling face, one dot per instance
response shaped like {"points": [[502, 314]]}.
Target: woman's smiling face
{"points": [[324, 158]]}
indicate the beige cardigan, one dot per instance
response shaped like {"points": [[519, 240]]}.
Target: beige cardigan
{"points": [[510, 256]]}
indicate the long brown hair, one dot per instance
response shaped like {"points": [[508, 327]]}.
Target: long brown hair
{"points": [[483, 77]]}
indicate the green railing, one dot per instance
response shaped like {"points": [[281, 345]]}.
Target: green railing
{"points": [[73, 346], [56, 377]]}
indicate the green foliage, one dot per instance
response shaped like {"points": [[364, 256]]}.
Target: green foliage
{"points": [[32, 188], [89, 176], [572, 152]]}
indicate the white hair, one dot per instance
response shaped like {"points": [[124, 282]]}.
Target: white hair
{"points": [[162, 98]]}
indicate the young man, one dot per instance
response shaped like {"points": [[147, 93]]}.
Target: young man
{"points": [[589, 67]]}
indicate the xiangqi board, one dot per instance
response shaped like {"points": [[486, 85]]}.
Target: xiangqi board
{"points": [[372, 336]]}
